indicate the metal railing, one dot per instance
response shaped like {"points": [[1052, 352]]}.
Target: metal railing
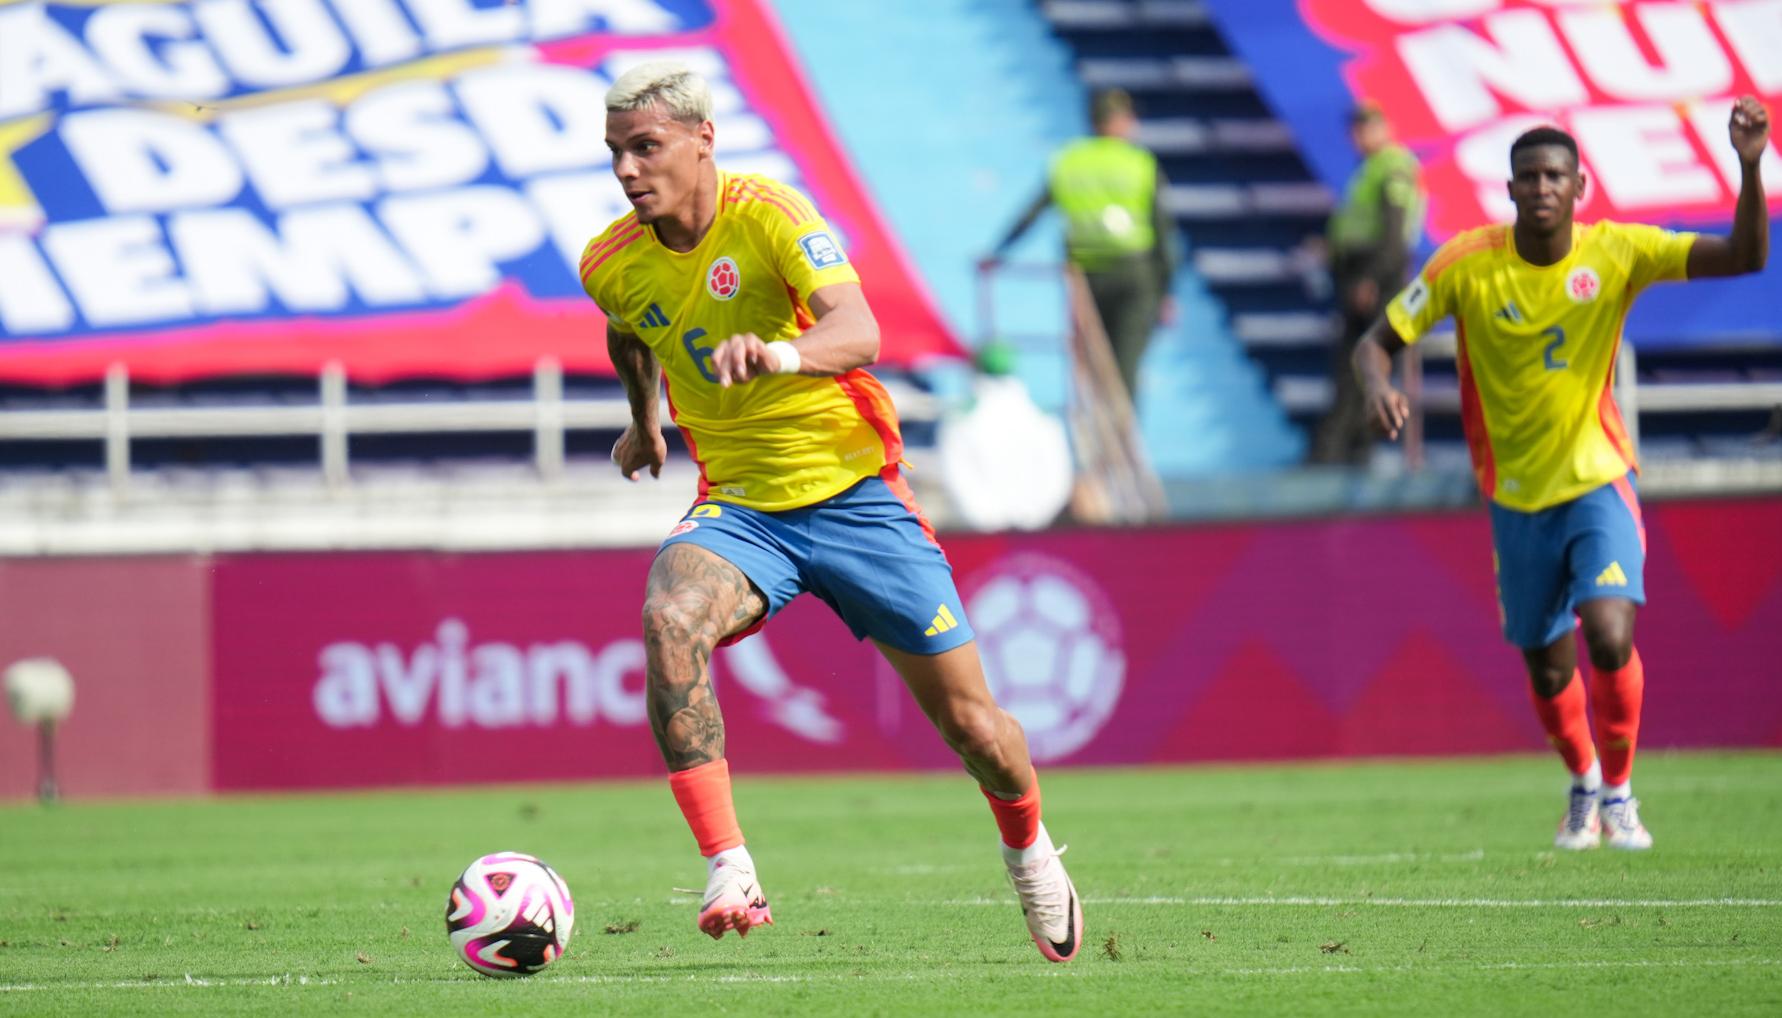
{"points": [[334, 418]]}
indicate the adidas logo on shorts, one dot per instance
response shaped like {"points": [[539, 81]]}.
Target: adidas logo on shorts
{"points": [[943, 621]]}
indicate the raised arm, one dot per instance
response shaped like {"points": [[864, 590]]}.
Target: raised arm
{"points": [[845, 337], [1387, 408], [641, 445], [1747, 248]]}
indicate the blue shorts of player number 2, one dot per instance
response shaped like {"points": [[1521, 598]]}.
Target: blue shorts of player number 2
{"points": [[1550, 560], [864, 552]]}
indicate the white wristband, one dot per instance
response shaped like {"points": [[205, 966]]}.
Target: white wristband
{"points": [[788, 355]]}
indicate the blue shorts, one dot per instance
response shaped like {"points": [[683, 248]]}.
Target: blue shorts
{"points": [[1551, 560], [866, 552]]}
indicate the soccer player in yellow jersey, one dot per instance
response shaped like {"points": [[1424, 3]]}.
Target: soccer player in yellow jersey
{"points": [[1538, 307], [731, 289]]}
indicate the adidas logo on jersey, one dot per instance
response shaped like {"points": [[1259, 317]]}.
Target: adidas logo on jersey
{"points": [[1612, 576], [653, 318], [943, 621], [1510, 313]]}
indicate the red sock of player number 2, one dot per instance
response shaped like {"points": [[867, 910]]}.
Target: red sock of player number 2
{"points": [[1616, 696], [1568, 728], [703, 794], [1017, 819]]}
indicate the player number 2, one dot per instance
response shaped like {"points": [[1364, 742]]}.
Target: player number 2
{"points": [[1551, 352], [702, 355]]}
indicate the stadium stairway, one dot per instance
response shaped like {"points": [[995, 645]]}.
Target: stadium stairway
{"points": [[1238, 186], [953, 153]]}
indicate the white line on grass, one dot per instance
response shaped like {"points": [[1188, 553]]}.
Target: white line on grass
{"points": [[1416, 902], [858, 977], [1378, 859], [189, 981], [1500, 966], [1382, 859]]}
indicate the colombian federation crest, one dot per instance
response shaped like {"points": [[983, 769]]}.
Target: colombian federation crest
{"points": [[1583, 284], [722, 280]]}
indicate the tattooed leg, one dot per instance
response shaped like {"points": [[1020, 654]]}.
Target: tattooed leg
{"points": [[693, 600]]}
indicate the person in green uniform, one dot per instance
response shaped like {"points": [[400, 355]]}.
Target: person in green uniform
{"points": [[1369, 243], [1116, 229]]}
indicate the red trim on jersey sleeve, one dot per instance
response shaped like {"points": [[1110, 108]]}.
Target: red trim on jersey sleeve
{"points": [[604, 241], [752, 190], [1459, 249], [595, 259], [789, 195], [1472, 419], [800, 310], [705, 485]]}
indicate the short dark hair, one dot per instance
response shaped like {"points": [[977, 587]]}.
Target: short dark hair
{"points": [[1107, 104], [1543, 136], [1364, 111]]}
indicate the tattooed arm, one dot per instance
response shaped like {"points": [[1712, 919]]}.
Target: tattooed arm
{"points": [[641, 445], [694, 599]]}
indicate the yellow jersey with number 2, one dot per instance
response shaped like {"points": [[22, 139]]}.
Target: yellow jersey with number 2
{"points": [[778, 442], [1537, 351]]}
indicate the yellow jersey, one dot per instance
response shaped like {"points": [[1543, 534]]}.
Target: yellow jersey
{"points": [[1537, 351], [778, 442]]}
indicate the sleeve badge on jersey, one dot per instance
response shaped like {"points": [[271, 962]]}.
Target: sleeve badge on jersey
{"points": [[1416, 297], [821, 250]]}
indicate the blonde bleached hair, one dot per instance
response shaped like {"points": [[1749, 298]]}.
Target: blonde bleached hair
{"points": [[675, 87]]}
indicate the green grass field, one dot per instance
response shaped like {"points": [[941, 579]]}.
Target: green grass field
{"points": [[1403, 888]]}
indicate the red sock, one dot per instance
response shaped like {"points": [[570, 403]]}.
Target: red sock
{"points": [[704, 797], [1017, 819], [1567, 727], [1616, 696]]}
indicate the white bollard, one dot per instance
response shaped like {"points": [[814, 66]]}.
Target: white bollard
{"points": [[41, 692]]}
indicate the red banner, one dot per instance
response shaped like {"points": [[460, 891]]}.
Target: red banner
{"points": [[1645, 87], [1331, 638]]}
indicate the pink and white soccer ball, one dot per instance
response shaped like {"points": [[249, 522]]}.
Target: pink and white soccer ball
{"points": [[509, 915]]}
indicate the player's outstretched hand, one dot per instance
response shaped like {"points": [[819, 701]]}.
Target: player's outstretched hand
{"points": [[1387, 410], [637, 449], [741, 358], [1750, 128]]}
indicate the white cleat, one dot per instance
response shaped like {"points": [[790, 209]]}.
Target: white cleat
{"points": [[1621, 822], [1581, 828], [1049, 902], [733, 901]]}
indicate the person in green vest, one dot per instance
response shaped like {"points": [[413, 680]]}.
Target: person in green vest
{"points": [[1369, 243], [1116, 229]]}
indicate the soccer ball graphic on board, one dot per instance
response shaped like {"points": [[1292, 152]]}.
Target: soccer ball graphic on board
{"points": [[1052, 649], [509, 915]]}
